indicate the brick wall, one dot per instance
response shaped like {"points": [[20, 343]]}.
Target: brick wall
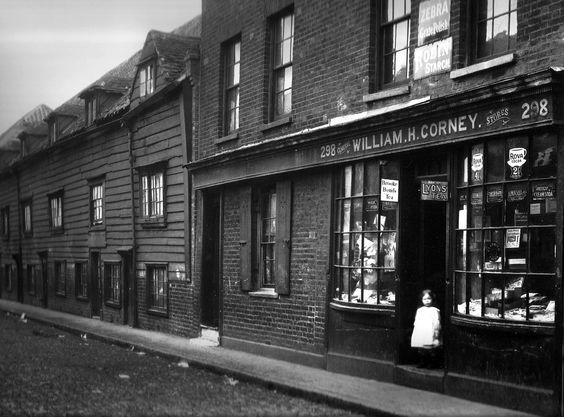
{"points": [[297, 320], [333, 67]]}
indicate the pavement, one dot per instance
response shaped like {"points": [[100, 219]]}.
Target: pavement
{"points": [[368, 396]]}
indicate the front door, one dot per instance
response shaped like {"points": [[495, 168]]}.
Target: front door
{"points": [[424, 248], [95, 284], [211, 259]]}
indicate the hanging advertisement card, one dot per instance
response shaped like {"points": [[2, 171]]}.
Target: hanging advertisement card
{"points": [[389, 190]]}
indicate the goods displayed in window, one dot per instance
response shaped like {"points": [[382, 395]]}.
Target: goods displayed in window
{"points": [[365, 234], [506, 231]]}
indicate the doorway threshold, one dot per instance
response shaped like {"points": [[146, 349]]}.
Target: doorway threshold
{"points": [[209, 336], [420, 378]]}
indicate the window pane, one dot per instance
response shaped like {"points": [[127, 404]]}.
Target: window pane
{"points": [[493, 291], [495, 163], [516, 241], [372, 178], [463, 170], [463, 209], [493, 250], [460, 293], [517, 161], [493, 215], [475, 302], [500, 34], [543, 156], [477, 165], [476, 204], [386, 290], [543, 250], [388, 216], [371, 213], [402, 35], [517, 205], [541, 298], [461, 249], [543, 202], [475, 250]]}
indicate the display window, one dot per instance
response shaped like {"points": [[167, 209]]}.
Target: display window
{"points": [[366, 207], [506, 233]]}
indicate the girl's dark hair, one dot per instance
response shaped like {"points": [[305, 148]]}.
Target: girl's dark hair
{"points": [[429, 293]]}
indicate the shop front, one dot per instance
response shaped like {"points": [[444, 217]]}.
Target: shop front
{"points": [[458, 195]]}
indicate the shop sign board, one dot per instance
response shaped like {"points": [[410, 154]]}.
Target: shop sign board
{"points": [[510, 115], [434, 190], [432, 58], [389, 190], [434, 20]]}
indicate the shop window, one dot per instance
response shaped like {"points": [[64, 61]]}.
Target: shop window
{"points": [[147, 79], [32, 279], [366, 226], [112, 284], [232, 59], [282, 35], [506, 231], [27, 224], [81, 279], [96, 203], [265, 238], [5, 225], [152, 194], [394, 30], [59, 269], [56, 211], [494, 27], [157, 288]]}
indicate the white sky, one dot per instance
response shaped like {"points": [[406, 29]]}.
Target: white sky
{"points": [[52, 49]]}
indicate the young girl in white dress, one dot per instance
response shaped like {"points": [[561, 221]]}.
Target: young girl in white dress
{"points": [[426, 337]]}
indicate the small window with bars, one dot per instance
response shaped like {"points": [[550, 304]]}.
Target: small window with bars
{"points": [[157, 285], [59, 270], [112, 283], [81, 280]]}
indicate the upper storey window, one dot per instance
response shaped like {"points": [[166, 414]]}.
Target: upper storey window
{"points": [[232, 72], [147, 79], [91, 109], [394, 36], [283, 55], [53, 130], [495, 27]]}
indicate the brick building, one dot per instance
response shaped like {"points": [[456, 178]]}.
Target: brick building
{"points": [[351, 154]]}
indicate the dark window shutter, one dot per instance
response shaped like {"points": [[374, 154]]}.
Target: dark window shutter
{"points": [[245, 238], [283, 235]]}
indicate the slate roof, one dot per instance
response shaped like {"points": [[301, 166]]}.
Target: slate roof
{"points": [[170, 49], [9, 139]]}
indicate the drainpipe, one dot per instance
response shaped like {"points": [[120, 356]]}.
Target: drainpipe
{"points": [[19, 259], [133, 318]]}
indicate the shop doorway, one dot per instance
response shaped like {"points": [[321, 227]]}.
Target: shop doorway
{"points": [[211, 260], [424, 232]]}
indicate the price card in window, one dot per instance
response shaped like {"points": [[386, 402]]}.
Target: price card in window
{"points": [[512, 238], [389, 190]]}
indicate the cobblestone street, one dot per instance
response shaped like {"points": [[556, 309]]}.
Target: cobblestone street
{"points": [[48, 372]]}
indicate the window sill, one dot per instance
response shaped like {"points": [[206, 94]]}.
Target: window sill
{"points": [[155, 312], [503, 325], [113, 304], [483, 66], [227, 138], [153, 224], [97, 228], [82, 298], [376, 309], [264, 293], [390, 92], [61, 294], [277, 123]]}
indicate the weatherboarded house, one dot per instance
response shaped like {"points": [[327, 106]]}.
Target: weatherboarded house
{"points": [[95, 203]]}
